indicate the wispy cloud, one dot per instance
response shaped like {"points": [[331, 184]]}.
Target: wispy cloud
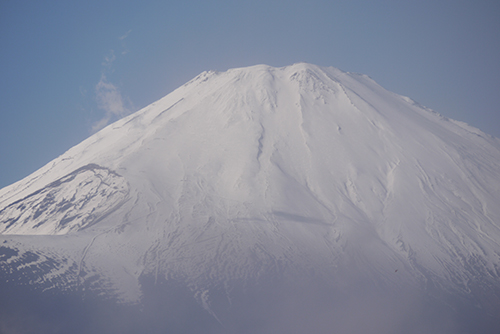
{"points": [[122, 41], [107, 95], [121, 38], [111, 101], [109, 59]]}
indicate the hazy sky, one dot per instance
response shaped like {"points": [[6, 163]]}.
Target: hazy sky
{"points": [[70, 67]]}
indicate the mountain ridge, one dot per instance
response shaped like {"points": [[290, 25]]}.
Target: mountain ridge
{"points": [[261, 173]]}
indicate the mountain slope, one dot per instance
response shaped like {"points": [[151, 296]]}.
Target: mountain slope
{"points": [[260, 173]]}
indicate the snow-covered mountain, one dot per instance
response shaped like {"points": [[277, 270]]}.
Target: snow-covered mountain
{"points": [[258, 178]]}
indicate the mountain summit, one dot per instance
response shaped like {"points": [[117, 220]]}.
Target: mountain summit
{"points": [[265, 195]]}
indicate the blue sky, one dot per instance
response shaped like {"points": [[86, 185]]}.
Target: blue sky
{"points": [[69, 67]]}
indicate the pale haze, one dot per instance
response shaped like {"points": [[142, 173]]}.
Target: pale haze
{"points": [[70, 68]]}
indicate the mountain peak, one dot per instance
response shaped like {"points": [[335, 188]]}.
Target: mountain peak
{"points": [[260, 170]]}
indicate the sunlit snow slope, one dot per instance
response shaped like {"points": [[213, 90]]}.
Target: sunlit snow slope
{"points": [[262, 170]]}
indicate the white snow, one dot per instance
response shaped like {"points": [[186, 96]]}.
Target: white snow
{"points": [[297, 167]]}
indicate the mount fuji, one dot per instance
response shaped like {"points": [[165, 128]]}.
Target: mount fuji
{"points": [[260, 200]]}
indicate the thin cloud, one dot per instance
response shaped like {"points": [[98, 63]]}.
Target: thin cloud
{"points": [[109, 59], [108, 96], [121, 38], [122, 42], [83, 91], [111, 101]]}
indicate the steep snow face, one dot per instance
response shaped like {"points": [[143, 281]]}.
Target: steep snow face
{"points": [[71, 203], [260, 169]]}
